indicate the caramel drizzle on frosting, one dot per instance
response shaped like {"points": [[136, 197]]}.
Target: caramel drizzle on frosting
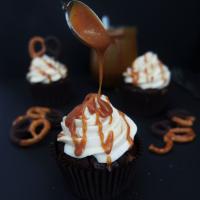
{"points": [[43, 73], [107, 145], [52, 67], [103, 110], [162, 71], [128, 137], [111, 118], [135, 75]]}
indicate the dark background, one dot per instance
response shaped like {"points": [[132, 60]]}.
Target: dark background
{"points": [[167, 27]]}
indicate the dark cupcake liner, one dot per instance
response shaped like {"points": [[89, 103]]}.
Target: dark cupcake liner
{"points": [[97, 184], [144, 102], [53, 94]]}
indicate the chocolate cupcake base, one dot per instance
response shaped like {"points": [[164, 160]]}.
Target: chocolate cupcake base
{"points": [[53, 94], [89, 180], [143, 102]]}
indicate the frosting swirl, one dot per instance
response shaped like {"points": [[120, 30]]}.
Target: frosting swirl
{"points": [[148, 72], [45, 70], [96, 128]]}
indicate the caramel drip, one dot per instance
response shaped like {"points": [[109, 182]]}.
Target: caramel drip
{"points": [[107, 145], [91, 31], [128, 137], [109, 162], [79, 142], [51, 66], [162, 71], [104, 110], [100, 56], [135, 77], [111, 118], [146, 73], [43, 73]]}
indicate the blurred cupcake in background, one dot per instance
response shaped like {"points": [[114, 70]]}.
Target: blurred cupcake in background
{"points": [[145, 85], [47, 77]]}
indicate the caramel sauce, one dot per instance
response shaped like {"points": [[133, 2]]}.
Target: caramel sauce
{"points": [[89, 28], [135, 77], [107, 145], [128, 137], [104, 110], [162, 71], [111, 119], [109, 163], [43, 73], [52, 67]]}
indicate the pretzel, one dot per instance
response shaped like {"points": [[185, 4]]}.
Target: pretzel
{"points": [[183, 135], [37, 112], [188, 121], [32, 127], [168, 145], [181, 117], [32, 44], [19, 119], [36, 137], [53, 46], [161, 127]]}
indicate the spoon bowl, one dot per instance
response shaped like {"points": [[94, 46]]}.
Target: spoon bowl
{"points": [[86, 25]]}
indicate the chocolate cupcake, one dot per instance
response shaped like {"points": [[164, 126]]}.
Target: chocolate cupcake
{"points": [[97, 149], [47, 77], [145, 85]]}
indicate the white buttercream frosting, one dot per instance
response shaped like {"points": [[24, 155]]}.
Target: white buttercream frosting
{"points": [[93, 146], [148, 72], [45, 70]]}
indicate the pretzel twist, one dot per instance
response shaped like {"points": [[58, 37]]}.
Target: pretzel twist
{"points": [[181, 134], [19, 119], [32, 44], [188, 121], [168, 145], [38, 128], [37, 112]]}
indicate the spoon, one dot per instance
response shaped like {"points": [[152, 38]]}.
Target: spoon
{"points": [[86, 25]]}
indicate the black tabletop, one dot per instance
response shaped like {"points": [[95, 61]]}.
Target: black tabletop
{"points": [[169, 28], [32, 173]]}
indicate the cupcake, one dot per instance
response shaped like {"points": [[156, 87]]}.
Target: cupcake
{"points": [[97, 149], [145, 85], [47, 77]]}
